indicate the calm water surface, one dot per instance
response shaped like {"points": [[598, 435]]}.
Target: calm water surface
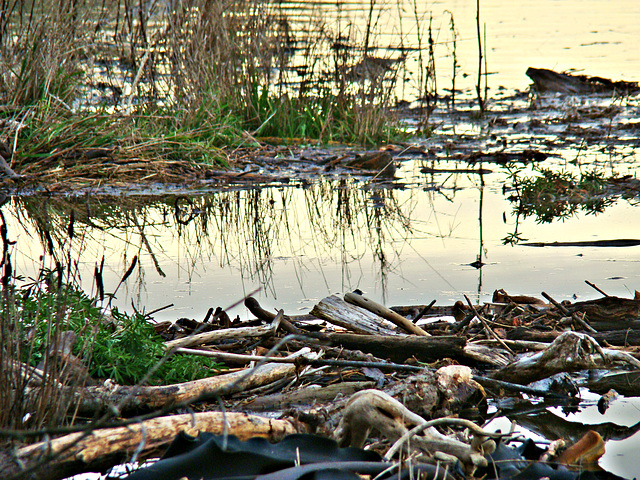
{"points": [[400, 246], [591, 36]]}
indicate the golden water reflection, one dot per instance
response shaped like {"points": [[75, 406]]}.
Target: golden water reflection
{"points": [[595, 37], [400, 246]]}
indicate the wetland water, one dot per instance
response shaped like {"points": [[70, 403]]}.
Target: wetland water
{"points": [[403, 246], [403, 242]]}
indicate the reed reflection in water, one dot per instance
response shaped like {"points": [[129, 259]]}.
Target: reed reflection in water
{"points": [[209, 248], [301, 243]]}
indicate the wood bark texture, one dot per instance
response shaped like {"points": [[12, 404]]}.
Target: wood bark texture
{"points": [[101, 449]]}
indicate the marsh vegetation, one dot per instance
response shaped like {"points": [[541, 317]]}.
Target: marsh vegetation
{"points": [[182, 79], [191, 152]]}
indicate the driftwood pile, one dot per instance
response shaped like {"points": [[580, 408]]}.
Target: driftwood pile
{"points": [[419, 377]]}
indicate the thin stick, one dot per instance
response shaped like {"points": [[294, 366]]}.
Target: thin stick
{"points": [[158, 310], [574, 316], [479, 84], [384, 312], [302, 361], [424, 311], [557, 304], [592, 285], [486, 325]]}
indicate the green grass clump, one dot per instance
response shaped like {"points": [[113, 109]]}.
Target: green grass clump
{"points": [[53, 138], [125, 351], [119, 346], [320, 115]]}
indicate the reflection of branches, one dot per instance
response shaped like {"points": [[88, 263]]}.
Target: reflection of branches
{"points": [[515, 237], [552, 195], [148, 246]]}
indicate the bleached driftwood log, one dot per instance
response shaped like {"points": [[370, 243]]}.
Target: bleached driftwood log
{"points": [[335, 310], [101, 449], [225, 334]]}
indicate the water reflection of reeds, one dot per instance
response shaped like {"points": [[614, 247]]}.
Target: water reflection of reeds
{"points": [[244, 231]]}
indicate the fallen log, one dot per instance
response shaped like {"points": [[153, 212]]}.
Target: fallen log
{"points": [[625, 383], [620, 242], [98, 450], [570, 352], [299, 360], [335, 310], [501, 157], [306, 396], [327, 351], [545, 80], [609, 313], [226, 334], [398, 348], [496, 356], [255, 308], [95, 399]]}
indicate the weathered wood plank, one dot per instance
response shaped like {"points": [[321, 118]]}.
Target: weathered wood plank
{"points": [[385, 313], [335, 310]]}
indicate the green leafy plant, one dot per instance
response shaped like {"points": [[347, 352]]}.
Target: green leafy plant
{"points": [[128, 347], [119, 346]]}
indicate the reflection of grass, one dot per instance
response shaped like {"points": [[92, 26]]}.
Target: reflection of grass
{"points": [[245, 229], [559, 195]]}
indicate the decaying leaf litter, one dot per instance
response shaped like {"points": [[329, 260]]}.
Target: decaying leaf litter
{"points": [[353, 368]]}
